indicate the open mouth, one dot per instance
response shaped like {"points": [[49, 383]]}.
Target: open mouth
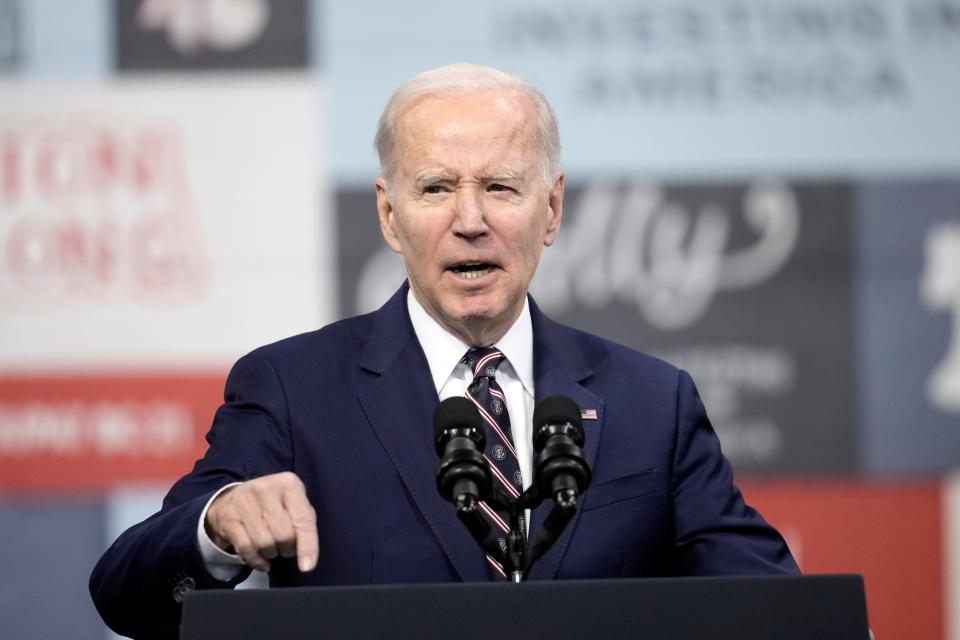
{"points": [[472, 270]]}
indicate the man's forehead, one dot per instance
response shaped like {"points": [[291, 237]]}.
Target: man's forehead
{"points": [[492, 134], [515, 165], [450, 114]]}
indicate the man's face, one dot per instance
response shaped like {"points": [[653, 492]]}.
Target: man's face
{"points": [[469, 209]]}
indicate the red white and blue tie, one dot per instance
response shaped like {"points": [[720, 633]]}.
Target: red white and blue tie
{"points": [[487, 395]]}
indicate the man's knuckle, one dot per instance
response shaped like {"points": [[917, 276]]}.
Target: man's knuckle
{"points": [[292, 481], [271, 510], [242, 496], [286, 540], [261, 536], [261, 488], [231, 527], [302, 519]]}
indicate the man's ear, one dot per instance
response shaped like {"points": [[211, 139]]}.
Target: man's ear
{"points": [[385, 213], [554, 211]]}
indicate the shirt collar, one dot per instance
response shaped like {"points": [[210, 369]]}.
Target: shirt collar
{"points": [[444, 350]]}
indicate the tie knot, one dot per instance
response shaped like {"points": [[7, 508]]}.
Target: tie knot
{"points": [[483, 361]]}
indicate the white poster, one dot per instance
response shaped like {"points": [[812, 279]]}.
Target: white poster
{"points": [[181, 221]]}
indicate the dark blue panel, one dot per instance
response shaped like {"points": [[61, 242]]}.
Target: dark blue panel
{"points": [[748, 285], [909, 297], [206, 36]]}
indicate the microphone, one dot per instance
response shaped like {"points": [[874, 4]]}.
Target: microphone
{"points": [[463, 476], [562, 469]]}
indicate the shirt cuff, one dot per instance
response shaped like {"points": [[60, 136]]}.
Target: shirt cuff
{"points": [[219, 564]]}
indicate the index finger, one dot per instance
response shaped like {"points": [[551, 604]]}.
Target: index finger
{"points": [[304, 521]]}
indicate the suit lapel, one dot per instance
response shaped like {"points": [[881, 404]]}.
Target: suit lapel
{"points": [[559, 368], [399, 402]]}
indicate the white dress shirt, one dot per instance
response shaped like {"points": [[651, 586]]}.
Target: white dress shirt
{"points": [[514, 375], [450, 378]]}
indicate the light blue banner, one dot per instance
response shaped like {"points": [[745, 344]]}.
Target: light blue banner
{"points": [[695, 89]]}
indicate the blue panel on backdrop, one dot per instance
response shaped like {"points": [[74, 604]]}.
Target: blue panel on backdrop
{"points": [[909, 272], [47, 550], [65, 39]]}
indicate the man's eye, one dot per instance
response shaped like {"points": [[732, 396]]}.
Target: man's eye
{"points": [[496, 187], [433, 189]]}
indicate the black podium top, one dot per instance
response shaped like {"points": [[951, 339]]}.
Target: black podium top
{"points": [[784, 608]]}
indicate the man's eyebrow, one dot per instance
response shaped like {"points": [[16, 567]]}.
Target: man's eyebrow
{"points": [[430, 178], [504, 177]]}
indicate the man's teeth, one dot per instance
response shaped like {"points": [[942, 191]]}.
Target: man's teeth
{"points": [[476, 273], [472, 271]]}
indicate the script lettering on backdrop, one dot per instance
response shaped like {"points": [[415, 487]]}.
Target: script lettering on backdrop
{"points": [[95, 210], [669, 261], [193, 26], [637, 247], [691, 274], [940, 289], [666, 260]]}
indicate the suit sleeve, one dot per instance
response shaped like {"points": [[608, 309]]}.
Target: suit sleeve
{"points": [[138, 584], [716, 532]]}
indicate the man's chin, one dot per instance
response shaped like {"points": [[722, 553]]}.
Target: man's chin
{"points": [[474, 317], [481, 315]]}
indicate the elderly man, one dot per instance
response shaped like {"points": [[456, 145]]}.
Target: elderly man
{"points": [[321, 467]]}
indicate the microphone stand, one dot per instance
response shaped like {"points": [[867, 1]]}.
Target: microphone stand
{"points": [[513, 558], [517, 559], [564, 507], [560, 471]]}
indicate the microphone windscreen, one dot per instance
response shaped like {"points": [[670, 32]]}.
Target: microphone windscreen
{"points": [[557, 410], [455, 411]]}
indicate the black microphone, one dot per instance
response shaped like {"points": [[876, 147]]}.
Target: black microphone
{"points": [[463, 476], [562, 469]]}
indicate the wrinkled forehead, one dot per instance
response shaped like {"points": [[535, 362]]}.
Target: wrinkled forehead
{"points": [[451, 117]]}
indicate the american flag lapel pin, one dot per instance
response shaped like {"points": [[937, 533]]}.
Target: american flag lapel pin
{"points": [[588, 414]]}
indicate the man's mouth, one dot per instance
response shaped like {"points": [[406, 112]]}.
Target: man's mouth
{"points": [[472, 270]]}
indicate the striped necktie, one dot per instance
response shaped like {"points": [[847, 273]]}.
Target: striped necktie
{"points": [[487, 395]]}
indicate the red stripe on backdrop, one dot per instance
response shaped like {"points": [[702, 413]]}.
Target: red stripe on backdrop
{"points": [[91, 432], [888, 531]]}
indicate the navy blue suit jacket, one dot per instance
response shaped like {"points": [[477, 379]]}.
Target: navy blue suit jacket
{"points": [[348, 408]]}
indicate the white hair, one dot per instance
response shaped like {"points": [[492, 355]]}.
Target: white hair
{"points": [[458, 80]]}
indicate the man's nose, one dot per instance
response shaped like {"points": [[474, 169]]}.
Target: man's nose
{"points": [[470, 218]]}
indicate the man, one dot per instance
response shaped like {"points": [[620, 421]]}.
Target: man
{"points": [[321, 466]]}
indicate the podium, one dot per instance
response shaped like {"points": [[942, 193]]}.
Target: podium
{"points": [[745, 608]]}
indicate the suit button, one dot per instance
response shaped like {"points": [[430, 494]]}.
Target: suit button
{"points": [[183, 587]]}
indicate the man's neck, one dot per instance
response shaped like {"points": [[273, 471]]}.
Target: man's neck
{"points": [[480, 332], [444, 349]]}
